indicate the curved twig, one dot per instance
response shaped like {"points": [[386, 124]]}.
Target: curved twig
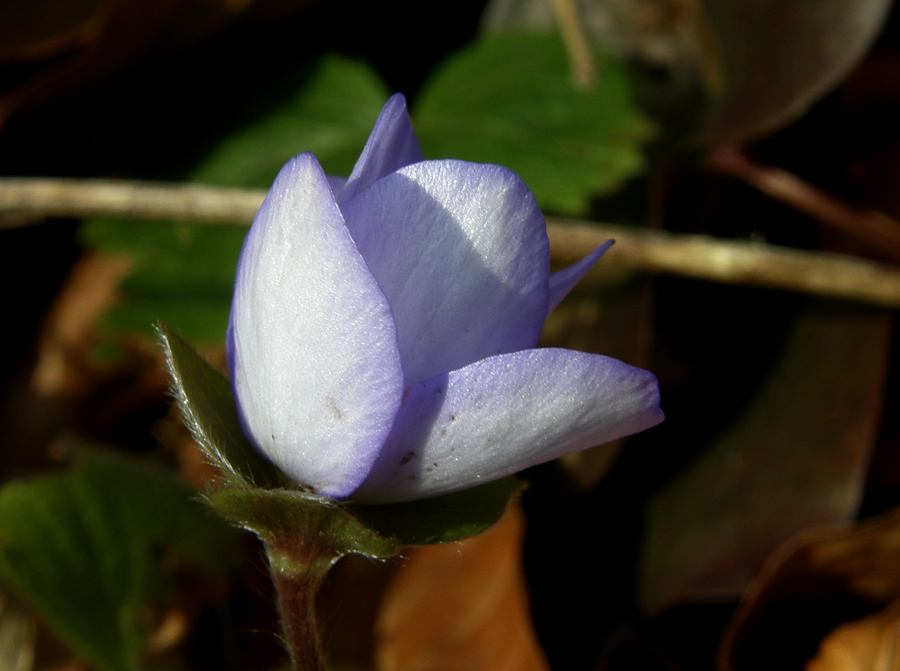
{"points": [[26, 201]]}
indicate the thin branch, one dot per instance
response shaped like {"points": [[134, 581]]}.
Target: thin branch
{"points": [[22, 201], [581, 57], [877, 232], [731, 262]]}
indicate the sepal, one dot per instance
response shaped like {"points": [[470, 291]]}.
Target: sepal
{"points": [[442, 519], [207, 405], [257, 496], [276, 516]]}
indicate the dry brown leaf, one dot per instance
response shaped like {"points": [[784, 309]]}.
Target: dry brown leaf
{"points": [[90, 291], [42, 29], [36, 411], [461, 606], [67, 388], [348, 606], [18, 631], [795, 459], [869, 644], [774, 58], [67, 50], [811, 586]]}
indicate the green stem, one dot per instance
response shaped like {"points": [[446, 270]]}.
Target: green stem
{"points": [[297, 573]]}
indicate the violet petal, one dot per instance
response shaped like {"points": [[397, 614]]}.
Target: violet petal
{"points": [[461, 251], [312, 344], [503, 414], [391, 145], [563, 281]]}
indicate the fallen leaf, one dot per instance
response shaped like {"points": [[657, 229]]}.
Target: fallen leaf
{"points": [[461, 606], [73, 45], [92, 288], [62, 373], [17, 635], [869, 644], [43, 29], [772, 59], [794, 460], [813, 585]]}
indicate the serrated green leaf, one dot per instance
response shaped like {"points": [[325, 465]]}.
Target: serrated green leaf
{"points": [[183, 274], [207, 404], [509, 99], [329, 111], [85, 549]]}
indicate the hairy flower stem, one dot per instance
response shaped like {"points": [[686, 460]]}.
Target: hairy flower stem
{"points": [[298, 571]]}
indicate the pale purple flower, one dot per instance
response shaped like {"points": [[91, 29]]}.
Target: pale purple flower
{"points": [[383, 329]]}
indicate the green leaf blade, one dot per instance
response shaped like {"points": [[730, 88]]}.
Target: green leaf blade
{"points": [[509, 99], [82, 548]]}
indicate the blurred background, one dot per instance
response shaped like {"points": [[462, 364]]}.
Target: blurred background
{"points": [[756, 528]]}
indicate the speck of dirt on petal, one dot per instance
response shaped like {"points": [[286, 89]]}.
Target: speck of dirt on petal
{"points": [[335, 410]]}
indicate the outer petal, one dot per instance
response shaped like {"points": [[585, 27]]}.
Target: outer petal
{"points": [[391, 145], [461, 251], [507, 413], [312, 344], [563, 281], [337, 183]]}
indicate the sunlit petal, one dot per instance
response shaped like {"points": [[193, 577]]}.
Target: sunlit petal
{"points": [[563, 281], [312, 344], [506, 413], [391, 145], [461, 251]]}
